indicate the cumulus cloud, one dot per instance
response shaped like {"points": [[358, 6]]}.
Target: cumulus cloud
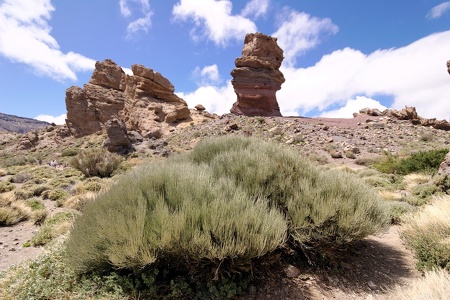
{"points": [[59, 120], [25, 38], [139, 13], [414, 75], [208, 75], [439, 10], [300, 32], [256, 8], [213, 19], [215, 99], [352, 106]]}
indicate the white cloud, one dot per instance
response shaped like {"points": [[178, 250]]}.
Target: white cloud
{"points": [[352, 106], [300, 32], [213, 19], [209, 75], [439, 10], [215, 99], [414, 75], [60, 120], [130, 9], [25, 38], [256, 8]]}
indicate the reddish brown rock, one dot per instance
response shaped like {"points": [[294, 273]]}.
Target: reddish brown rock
{"points": [[117, 140], [257, 77], [142, 101]]}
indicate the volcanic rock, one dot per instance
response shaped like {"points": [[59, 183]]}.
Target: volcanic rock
{"points": [[117, 140], [141, 101], [257, 77]]}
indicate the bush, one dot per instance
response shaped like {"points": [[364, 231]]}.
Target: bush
{"points": [[53, 227], [6, 187], [424, 161], [69, 152], [324, 208], [174, 211], [427, 233], [13, 212], [96, 162]]}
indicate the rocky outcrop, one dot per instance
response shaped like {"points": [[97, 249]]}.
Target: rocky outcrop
{"points": [[257, 77], [410, 114], [118, 140], [142, 101], [448, 66]]}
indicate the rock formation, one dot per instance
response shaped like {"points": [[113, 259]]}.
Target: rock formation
{"points": [[448, 66], [143, 101], [118, 140], [408, 113], [257, 77]]}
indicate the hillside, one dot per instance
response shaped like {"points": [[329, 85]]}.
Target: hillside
{"points": [[370, 269], [10, 123]]}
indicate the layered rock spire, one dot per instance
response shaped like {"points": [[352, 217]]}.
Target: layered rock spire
{"points": [[257, 77]]}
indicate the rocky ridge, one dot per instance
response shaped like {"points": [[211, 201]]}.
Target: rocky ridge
{"points": [[10, 123], [257, 77]]}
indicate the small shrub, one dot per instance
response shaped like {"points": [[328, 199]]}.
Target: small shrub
{"points": [[20, 178], [427, 233], [397, 209], [13, 212], [53, 227], [69, 152], [6, 187], [35, 204], [425, 190], [22, 194], [40, 189], [96, 162], [56, 194]]}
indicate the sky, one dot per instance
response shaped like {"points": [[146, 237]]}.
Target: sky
{"points": [[340, 56]]}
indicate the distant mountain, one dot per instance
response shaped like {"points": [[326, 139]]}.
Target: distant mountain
{"points": [[10, 123]]}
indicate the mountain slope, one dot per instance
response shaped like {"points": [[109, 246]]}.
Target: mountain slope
{"points": [[10, 123]]}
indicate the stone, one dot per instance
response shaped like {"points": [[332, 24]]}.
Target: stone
{"points": [[448, 66], [444, 167], [140, 101], [291, 271], [199, 107], [117, 140], [257, 77], [371, 112]]}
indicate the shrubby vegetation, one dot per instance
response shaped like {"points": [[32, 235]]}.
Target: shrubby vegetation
{"points": [[424, 161], [428, 232], [219, 211], [96, 162]]}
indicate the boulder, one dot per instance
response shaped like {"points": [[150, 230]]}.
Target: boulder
{"points": [[257, 77], [448, 66], [117, 140], [140, 101], [444, 167]]}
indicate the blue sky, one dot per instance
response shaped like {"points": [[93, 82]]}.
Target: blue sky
{"points": [[340, 56]]}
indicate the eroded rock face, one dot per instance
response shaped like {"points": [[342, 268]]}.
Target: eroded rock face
{"points": [[409, 113], [257, 77], [143, 101]]}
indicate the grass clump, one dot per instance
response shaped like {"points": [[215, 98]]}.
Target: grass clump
{"points": [[6, 187], [428, 233], [96, 162], [434, 285], [13, 211]]}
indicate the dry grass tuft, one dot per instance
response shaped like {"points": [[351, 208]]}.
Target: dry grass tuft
{"points": [[435, 285], [413, 180]]}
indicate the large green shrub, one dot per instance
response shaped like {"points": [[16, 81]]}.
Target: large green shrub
{"points": [[324, 208], [96, 162], [217, 210], [175, 211], [423, 161]]}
